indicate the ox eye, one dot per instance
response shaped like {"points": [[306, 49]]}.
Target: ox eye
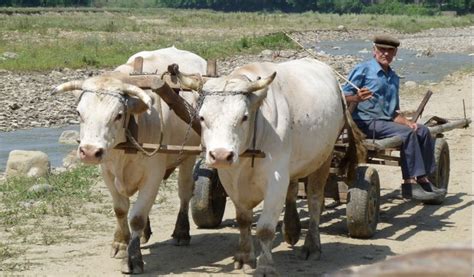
{"points": [[245, 118], [118, 117], [201, 118]]}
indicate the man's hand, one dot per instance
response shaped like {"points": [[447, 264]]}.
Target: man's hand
{"points": [[412, 125], [364, 94], [361, 95], [404, 121]]}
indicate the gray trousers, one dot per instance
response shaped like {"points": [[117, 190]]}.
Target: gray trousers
{"points": [[417, 150]]}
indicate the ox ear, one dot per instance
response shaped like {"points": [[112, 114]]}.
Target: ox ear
{"points": [[259, 89], [136, 106]]}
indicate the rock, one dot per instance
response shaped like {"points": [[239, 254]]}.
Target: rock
{"points": [[73, 121], [342, 28], [266, 53], [56, 74], [71, 160], [69, 137], [411, 84], [10, 55], [40, 188], [14, 106], [364, 51], [27, 163]]}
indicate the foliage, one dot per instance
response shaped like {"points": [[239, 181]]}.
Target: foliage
{"points": [[396, 7], [420, 7], [69, 190], [46, 216]]}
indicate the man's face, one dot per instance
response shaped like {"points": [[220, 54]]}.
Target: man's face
{"points": [[384, 55]]}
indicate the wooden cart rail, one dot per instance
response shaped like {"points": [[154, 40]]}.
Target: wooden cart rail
{"points": [[178, 149], [380, 150], [395, 142]]}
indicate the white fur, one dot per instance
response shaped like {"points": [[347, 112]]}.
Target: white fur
{"points": [[297, 125], [125, 174]]}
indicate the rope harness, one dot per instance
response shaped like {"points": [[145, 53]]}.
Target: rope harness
{"points": [[203, 94]]}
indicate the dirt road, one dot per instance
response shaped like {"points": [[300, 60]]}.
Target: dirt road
{"points": [[404, 226]]}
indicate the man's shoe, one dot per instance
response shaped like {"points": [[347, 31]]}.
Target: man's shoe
{"points": [[428, 186], [416, 192]]}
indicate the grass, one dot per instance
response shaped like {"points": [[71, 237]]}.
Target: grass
{"points": [[44, 217], [73, 209], [60, 38]]}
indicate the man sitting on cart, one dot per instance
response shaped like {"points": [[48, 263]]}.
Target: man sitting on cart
{"points": [[378, 115]]}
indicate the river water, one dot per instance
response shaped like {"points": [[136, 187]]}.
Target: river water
{"points": [[409, 64], [38, 139], [422, 69]]}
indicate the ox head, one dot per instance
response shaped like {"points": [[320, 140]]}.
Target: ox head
{"points": [[227, 114], [104, 107]]}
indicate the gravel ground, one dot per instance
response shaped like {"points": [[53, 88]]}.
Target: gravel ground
{"points": [[25, 101]]}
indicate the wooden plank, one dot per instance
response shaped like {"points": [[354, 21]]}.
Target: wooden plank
{"points": [[138, 65], [186, 150], [460, 123], [422, 105], [211, 68], [174, 101], [182, 108]]}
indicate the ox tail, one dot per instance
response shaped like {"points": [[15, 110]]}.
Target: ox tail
{"points": [[356, 152]]}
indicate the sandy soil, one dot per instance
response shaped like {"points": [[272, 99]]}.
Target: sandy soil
{"points": [[404, 226]]}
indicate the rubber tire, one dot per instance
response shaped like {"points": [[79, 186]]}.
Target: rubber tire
{"points": [[363, 203], [440, 176], [209, 198]]}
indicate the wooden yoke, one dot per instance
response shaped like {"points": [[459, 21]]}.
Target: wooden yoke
{"points": [[182, 108], [168, 90]]}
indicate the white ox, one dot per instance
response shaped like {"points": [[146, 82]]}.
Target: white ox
{"points": [[299, 115], [105, 107]]}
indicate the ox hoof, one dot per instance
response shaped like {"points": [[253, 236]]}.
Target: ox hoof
{"points": [[133, 263], [244, 261], [132, 267], [306, 253], [118, 251], [181, 241], [145, 237], [244, 266], [291, 233], [265, 271]]}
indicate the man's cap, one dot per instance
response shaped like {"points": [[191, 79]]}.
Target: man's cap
{"points": [[386, 41]]}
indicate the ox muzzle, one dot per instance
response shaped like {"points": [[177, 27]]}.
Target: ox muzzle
{"points": [[90, 154], [220, 158]]}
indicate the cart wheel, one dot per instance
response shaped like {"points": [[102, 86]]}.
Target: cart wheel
{"points": [[209, 199], [363, 202], [440, 176]]}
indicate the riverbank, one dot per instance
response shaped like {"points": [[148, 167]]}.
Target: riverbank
{"points": [[26, 102]]}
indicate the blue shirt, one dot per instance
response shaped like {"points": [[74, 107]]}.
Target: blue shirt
{"points": [[385, 100]]}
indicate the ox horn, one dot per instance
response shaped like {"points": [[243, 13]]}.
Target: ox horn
{"points": [[69, 86], [139, 93], [192, 81], [260, 84]]}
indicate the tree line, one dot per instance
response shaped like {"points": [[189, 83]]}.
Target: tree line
{"points": [[411, 7]]}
